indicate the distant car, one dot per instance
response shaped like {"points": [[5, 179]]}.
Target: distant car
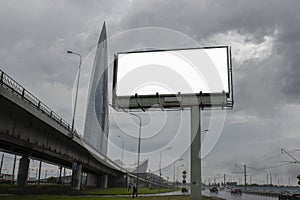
{"points": [[214, 189], [236, 191], [287, 195]]}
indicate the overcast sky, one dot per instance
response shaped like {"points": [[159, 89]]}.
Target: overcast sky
{"points": [[265, 40]]}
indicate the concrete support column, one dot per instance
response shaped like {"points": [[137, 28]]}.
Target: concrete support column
{"points": [[103, 180], [125, 177], [76, 175], [92, 180], [23, 171], [128, 181], [195, 153]]}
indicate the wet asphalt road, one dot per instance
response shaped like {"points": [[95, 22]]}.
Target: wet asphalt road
{"points": [[228, 196]]}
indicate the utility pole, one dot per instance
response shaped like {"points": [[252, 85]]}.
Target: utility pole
{"points": [[270, 177], [240, 178], [267, 178], [245, 177]]}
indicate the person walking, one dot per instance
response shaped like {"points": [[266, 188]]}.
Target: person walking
{"points": [[134, 191]]}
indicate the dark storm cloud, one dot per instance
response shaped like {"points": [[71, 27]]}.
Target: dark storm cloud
{"points": [[34, 38], [201, 19], [263, 83], [36, 34], [288, 46]]}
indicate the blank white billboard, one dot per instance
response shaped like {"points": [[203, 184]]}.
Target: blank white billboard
{"points": [[186, 71]]}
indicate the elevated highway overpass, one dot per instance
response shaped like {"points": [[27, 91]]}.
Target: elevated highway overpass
{"points": [[31, 129]]}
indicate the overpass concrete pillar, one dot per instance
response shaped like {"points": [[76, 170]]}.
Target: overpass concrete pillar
{"points": [[103, 180], [128, 180], [76, 175], [23, 171], [92, 180]]}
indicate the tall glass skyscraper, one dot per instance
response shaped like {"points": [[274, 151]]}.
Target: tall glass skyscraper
{"points": [[96, 122]]}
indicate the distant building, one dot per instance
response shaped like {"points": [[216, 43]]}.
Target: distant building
{"points": [[96, 121], [142, 167]]}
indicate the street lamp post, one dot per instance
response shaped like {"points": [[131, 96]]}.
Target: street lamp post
{"points": [[139, 151], [77, 86], [122, 156], [174, 171], [122, 159], [160, 155], [122, 152]]}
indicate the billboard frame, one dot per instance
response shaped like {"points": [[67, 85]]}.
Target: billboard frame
{"points": [[162, 101]]}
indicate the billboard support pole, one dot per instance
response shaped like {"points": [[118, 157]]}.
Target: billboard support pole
{"points": [[195, 153]]}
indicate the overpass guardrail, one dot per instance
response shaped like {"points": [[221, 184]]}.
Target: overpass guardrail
{"points": [[9, 83]]}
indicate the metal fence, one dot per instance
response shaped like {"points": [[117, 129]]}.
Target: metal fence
{"points": [[10, 84]]}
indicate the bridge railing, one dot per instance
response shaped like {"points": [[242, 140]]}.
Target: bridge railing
{"points": [[12, 85]]}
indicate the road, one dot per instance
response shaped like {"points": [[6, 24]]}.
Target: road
{"points": [[228, 196], [221, 194]]}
